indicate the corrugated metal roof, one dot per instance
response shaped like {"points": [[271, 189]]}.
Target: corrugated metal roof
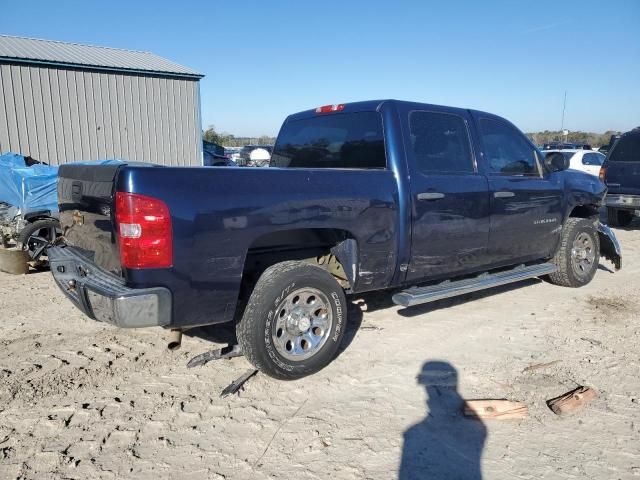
{"points": [[32, 50]]}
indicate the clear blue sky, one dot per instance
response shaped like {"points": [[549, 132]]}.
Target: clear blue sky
{"points": [[265, 59]]}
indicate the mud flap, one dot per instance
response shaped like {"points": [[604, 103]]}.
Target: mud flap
{"points": [[609, 246]]}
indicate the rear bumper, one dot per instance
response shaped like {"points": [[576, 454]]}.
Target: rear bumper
{"points": [[105, 297], [630, 202]]}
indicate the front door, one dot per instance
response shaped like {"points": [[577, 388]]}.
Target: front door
{"points": [[526, 202], [450, 200]]}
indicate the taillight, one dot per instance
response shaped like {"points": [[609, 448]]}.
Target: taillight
{"points": [[603, 174], [330, 108], [144, 231]]}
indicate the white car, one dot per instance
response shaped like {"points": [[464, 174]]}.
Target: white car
{"points": [[587, 161]]}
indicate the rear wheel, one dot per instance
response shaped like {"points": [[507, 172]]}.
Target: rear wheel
{"points": [[619, 218], [578, 255], [36, 237], [294, 321]]}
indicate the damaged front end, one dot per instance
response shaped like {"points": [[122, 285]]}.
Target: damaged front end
{"points": [[609, 245]]}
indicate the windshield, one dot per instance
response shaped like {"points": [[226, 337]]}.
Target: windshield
{"points": [[627, 149]]}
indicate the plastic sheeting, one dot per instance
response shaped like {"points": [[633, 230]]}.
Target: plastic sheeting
{"points": [[29, 188]]}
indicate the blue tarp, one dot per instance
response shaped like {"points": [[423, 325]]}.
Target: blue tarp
{"points": [[28, 188]]}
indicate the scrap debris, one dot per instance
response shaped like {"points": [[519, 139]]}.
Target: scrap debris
{"points": [[538, 366], [227, 352], [496, 409], [238, 383], [572, 401]]}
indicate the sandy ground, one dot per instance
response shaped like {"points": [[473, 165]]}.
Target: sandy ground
{"points": [[79, 399]]}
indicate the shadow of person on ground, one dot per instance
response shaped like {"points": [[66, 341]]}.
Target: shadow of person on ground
{"points": [[445, 445]]}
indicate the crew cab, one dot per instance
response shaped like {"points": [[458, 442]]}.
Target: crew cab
{"points": [[419, 200], [621, 172]]}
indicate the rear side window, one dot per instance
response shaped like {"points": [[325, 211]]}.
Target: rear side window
{"points": [[508, 151], [592, 159], [440, 143], [343, 140], [627, 149]]}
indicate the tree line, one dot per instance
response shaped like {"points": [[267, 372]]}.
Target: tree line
{"points": [[539, 138], [229, 140], [593, 139]]}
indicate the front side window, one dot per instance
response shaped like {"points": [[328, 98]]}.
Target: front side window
{"points": [[507, 150], [343, 140], [440, 143]]}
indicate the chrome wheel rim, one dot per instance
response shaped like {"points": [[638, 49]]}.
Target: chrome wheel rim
{"points": [[583, 254], [303, 323]]}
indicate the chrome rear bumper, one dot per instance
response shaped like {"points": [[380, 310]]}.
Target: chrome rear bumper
{"points": [[105, 297]]}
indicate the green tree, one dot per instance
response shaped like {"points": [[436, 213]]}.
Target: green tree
{"points": [[210, 135]]}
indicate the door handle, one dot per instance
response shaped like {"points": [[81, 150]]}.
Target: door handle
{"points": [[503, 194], [430, 195]]}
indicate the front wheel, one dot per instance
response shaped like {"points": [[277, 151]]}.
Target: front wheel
{"points": [[294, 321], [578, 255]]}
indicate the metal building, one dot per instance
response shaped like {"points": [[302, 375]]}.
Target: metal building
{"points": [[63, 102]]}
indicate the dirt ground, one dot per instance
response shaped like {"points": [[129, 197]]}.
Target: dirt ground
{"points": [[79, 399]]}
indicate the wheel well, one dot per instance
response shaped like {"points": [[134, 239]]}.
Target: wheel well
{"points": [[38, 215], [584, 211], [333, 249]]}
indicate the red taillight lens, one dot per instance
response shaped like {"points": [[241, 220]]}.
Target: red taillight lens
{"points": [[144, 231], [330, 108], [603, 174]]}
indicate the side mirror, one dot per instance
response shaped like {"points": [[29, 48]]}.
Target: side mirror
{"points": [[555, 162]]}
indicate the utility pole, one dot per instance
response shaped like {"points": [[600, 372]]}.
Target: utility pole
{"points": [[564, 106]]}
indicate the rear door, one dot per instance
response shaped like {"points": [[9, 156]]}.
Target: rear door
{"points": [[450, 202], [623, 165], [526, 202]]}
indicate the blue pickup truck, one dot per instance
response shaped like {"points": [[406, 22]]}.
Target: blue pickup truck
{"points": [[621, 173], [423, 201]]}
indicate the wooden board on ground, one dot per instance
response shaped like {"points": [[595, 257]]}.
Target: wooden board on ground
{"points": [[571, 401], [496, 409]]}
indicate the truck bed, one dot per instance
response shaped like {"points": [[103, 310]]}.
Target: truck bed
{"points": [[219, 215]]}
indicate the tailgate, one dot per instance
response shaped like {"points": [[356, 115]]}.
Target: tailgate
{"points": [[623, 177], [85, 194]]}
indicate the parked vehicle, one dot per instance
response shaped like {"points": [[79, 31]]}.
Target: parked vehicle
{"points": [[218, 161], [612, 140], [431, 201], [232, 153], [584, 160], [28, 206], [621, 173], [245, 159], [566, 146]]}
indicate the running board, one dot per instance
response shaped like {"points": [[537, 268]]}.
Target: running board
{"points": [[446, 289]]}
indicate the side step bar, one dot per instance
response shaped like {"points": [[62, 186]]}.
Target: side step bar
{"points": [[446, 289]]}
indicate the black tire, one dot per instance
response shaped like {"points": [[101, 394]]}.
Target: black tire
{"points": [[36, 235], [574, 270], [619, 218], [260, 331]]}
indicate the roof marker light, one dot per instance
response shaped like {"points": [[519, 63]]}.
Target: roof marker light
{"points": [[330, 108]]}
